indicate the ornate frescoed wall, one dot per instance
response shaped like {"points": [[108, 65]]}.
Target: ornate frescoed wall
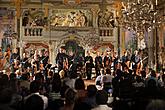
{"points": [[130, 40], [34, 17], [106, 18], [7, 27], [71, 18]]}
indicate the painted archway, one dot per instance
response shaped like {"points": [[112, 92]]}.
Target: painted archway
{"points": [[101, 47], [72, 43]]}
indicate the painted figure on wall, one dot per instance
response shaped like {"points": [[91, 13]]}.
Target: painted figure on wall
{"points": [[34, 17], [7, 25], [105, 18], [70, 18]]}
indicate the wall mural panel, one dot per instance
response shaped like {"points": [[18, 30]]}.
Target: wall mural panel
{"points": [[34, 17], [7, 26], [71, 18], [106, 18]]}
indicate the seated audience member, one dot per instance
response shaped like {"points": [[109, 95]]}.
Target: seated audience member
{"points": [[5, 99], [115, 84], [80, 88], [25, 81], [70, 98], [35, 88], [81, 95], [91, 96], [55, 101], [152, 77], [70, 81], [139, 82], [107, 81], [17, 96], [4, 81], [34, 102], [98, 80], [101, 100], [156, 105]]}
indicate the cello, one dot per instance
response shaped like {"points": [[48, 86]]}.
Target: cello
{"points": [[41, 63], [140, 65], [5, 65], [1, 59]]}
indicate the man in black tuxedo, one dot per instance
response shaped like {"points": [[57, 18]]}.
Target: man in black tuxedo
{"points": [[107, 60], [89, 65], [98, 64], [15, 60], [61, 57]]}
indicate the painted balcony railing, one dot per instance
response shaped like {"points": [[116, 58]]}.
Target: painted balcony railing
{"points": [[105, 32], [33, 31]]}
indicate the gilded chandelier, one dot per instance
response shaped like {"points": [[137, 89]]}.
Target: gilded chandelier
{"points": [[140, 14]]}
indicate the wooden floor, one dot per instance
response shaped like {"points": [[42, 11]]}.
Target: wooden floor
{"points": [[89, 82]]}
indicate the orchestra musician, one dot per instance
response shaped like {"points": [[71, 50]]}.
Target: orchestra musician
{"points": [[107, 60], [1, 59], [98, 63], [89, 65], [43, 59], [25, 61], [115, 60], [124, 58], [135, 59], [61, 56], [15, 60], [36, 62], [4, 59]]}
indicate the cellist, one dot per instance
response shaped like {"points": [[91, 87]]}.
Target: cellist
{"points": [[6, 59], [1, 59], [15, 60]]}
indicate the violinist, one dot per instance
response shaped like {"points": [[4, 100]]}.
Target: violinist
{"points": [[36, 61], [43, 59], [98, 63], [25, 61], [107, 60], [6, 58], [15, 60], [89, 65]]}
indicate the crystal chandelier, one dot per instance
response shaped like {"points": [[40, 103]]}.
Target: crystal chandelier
{"points": [[140, 14]]}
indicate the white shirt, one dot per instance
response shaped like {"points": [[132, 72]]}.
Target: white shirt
{"points": [[106, 78], [98, 82], [102, 107], [44, 98], [70, 83]]}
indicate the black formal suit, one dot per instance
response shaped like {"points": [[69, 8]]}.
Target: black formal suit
{"points": [[60, 60], [89, 66], [98, 64]]}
